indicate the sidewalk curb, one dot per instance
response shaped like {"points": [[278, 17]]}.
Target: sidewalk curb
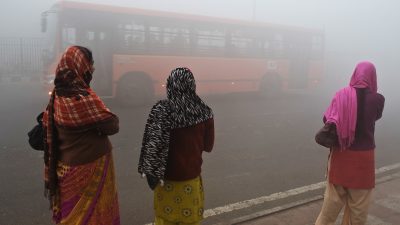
{"points": [[291, 205], [274, 210]]}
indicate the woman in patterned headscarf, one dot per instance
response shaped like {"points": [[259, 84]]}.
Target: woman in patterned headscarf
{"points": [[351, 169], [79, 171], [177, 132]]}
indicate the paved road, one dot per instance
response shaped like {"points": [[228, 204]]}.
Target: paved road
{"points": [[384, 209], [263, 146]]}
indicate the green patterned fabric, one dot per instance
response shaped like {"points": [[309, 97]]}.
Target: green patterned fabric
{"points": [[180, 201]]}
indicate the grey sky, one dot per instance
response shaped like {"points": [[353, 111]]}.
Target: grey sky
{"points": [[349, 20], [289, 11], [366, 28]]}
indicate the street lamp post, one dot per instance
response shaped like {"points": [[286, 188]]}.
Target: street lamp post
{"points": [[254, 9]]}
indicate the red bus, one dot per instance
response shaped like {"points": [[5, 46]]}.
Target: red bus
{"points": [[135, 50]]}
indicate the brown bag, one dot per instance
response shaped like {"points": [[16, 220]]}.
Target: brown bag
{"points": [[327, 136]]}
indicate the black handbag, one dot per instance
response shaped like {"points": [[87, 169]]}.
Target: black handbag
{"points": [[327, 136], [36, 135]]}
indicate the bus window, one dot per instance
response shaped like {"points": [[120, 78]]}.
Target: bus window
{"points": [[137, 35], [102, 36], [240, 42], [267, 47], [69, 36], [155, 37], [181, 41], [316, 47], [50, 52], [90, 35], [278, 46], [210, 41], [170, 35], [316, 43], [130, 37], [184, 38]]}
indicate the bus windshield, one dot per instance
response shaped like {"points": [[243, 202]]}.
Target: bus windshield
{"points": [[50, 27]]}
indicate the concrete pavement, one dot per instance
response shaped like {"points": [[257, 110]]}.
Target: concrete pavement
{"points": [[384, 210]]}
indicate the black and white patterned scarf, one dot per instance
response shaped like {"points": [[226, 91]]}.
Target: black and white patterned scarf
{"points": [[182, 108]]}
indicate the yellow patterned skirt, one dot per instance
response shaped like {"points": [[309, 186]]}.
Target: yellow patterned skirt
{"points": [[180, 201], [88, 194]]}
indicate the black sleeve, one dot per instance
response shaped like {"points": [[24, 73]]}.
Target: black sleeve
{"points": [[109, 126], [209, 135], [381, 104]]}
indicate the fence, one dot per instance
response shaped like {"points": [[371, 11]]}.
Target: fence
{"points": [[21, 57]]}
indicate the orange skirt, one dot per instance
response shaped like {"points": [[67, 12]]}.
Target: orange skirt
{"points": [[88, 194]]}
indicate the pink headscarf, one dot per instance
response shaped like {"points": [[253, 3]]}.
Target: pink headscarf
{"points": [[343, 108]]}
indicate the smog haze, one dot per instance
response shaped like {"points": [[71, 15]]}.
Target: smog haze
{"points": [[267, 68]]}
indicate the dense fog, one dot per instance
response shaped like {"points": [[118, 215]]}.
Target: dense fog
{"points": [[267, 68], [354, 31]]}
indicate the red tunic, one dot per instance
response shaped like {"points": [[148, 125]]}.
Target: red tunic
{"points": [[352, 169], [186, 146]]}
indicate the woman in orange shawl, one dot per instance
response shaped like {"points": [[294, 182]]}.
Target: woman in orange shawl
{"points": [[79, 171]]}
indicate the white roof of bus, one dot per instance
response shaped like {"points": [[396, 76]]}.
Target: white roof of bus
{"points": [[165, 14]]}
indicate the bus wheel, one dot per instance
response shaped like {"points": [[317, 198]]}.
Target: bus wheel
{"points": [[270, 86], [135, 89]]}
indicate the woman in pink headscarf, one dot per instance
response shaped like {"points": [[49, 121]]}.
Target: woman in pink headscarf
{"points": [[351, 168]]}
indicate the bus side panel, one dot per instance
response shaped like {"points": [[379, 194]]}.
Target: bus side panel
{"points": [[49, 74], [315, 71], [213, 75]]}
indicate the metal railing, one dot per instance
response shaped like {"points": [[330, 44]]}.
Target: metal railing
{"points": [[21, 57]]}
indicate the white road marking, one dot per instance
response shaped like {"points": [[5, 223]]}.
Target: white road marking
{"points": [[387, 168], [263, 199], [391, 202], [280, 195], [371, 220]]}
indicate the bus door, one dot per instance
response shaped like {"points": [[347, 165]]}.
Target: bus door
{"points": [[298, 61], [82, 29], [101, 45]]}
